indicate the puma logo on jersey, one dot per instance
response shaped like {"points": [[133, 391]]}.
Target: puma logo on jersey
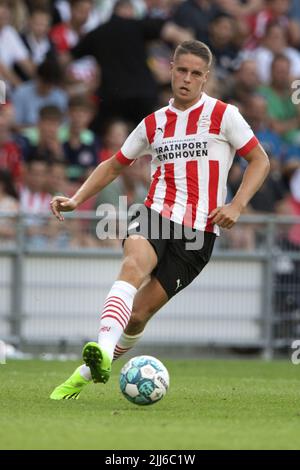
{"points": [[178, 284]]}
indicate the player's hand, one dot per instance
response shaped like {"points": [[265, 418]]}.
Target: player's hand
{"points": [[62, 204], [225, 216]]}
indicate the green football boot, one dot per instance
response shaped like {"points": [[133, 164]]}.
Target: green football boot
{"points": [[71, 388], [98, 361]]}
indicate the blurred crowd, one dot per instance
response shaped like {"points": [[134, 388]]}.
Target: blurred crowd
{"points": [[80, 74]]}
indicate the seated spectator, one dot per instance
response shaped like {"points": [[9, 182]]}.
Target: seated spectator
{"points": [[10, 153], [115, 134], [275, 42], [100, 13], [221, 34], [8, 203], [34, 201], [275, 11], [35, 36], [80, 145], [294, 11], [283, 113], [12, 49], [44, 90], [57, 180], [66, 35], [256, 114], [128, 90], [243, 83], [197, 16], [133, 182], [241, 8], [82, 76], [18, 13], [43, 141]]}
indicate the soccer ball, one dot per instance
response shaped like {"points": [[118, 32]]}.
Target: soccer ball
{"points": [[144, 380]]}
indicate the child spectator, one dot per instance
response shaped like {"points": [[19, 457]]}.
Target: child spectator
{"points": [[35, 36], [43, 141], [80, 145]]}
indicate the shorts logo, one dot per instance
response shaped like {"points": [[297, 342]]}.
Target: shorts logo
{"points": [[178, 284]]}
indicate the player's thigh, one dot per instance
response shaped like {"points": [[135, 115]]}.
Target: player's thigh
{"points": [[139, 259], [149, 299]]}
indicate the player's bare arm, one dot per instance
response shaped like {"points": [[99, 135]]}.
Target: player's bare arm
{"points": [[104, 174], [254, 176]]}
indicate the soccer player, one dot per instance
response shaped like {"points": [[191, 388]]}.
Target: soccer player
{"points": [[192, 142]]}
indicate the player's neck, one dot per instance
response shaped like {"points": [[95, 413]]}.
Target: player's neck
{"points": [[183, 106]]}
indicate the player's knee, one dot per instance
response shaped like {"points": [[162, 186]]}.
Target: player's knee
{"points": [[133, 269]]}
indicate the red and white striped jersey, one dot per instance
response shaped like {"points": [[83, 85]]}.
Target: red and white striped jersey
{"points": [[192, 152]]}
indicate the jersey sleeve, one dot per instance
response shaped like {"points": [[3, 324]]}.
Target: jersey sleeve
{"points": [[238, 132], [136, 145]]}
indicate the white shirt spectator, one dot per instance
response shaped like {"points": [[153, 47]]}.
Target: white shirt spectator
{"points": [[12, 48], [264, 58]]}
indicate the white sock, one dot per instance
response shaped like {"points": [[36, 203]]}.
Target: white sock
{"points": [[125, 343], [116, 314], [85, 372]]}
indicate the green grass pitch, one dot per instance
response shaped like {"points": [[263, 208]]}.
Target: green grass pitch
{"points": [[211, 404]]}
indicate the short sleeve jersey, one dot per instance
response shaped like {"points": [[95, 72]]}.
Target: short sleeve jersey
{"points": [[192, 152]]}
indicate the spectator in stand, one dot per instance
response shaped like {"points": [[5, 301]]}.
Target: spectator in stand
{"points": [[275, 42], [80, 145], [274, 189], [81, 75], [275, 11], [196, 15], [241, 8], [34, 201], [128, 89], [100, 13], [57, 180], [35, 36], [221, 34], [284, 114], [295, 10], [19, 13], [115, 134], [44, 90], [10, 153], [12, 50], [131, 183], [256, 114], [242, 11], [66, 35], [43, 141], [8, 203], [243, 83]]}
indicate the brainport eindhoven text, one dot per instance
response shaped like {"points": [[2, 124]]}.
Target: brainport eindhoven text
{"points": [[181, 150]]}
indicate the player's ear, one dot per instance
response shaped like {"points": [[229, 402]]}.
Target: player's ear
{"points": [[206, 76], [171, 66]]}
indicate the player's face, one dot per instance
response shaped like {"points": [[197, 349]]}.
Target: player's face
{"points": [[189, 74]]}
